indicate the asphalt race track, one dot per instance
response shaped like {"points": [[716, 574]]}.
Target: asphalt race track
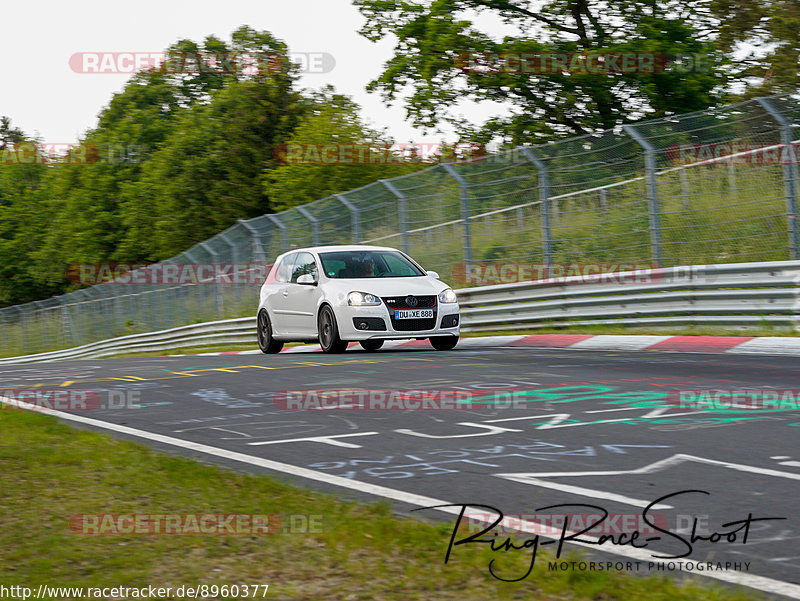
{"points": [[586, 427]]}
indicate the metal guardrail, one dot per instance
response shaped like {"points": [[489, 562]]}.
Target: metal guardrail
{"points": [[738, 294], [228, 331]]}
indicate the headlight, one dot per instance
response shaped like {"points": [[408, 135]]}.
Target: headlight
{"points": [[359, 299], [448, 296]]}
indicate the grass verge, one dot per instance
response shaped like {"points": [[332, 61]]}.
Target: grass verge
{"points": [[51, 471]]}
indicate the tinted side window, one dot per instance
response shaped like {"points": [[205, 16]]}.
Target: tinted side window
{"points": [[305, 264], [285, 268]]}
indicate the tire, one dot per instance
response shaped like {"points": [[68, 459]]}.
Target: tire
{"points": [[266, 342], [328, 332], [371, 345], [444, 343]]}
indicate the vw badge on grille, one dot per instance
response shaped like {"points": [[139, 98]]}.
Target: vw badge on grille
{"points": [[412, 301]]}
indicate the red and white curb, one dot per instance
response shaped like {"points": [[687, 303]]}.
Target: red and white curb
{"points": [[760, 345]]}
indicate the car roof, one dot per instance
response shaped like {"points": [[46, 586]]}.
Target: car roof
{"points": [[337, 248]]}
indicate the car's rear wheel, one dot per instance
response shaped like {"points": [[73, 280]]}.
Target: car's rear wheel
{"points": [[371, 345], [329, 332], [444, 343], [266, 342]]}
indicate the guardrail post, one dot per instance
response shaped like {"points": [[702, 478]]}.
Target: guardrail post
{"points": [[258, 254], [789, 160], [354, 216], [402, 210], [217, 295], [544, 199], [314, 224], [282, 227], [465, 215], [652, 190]]}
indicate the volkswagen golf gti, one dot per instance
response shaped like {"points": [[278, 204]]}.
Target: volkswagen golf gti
{"points": [[369, 294]]}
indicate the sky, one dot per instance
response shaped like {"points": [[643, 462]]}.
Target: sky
{"points": [[44, 96]]}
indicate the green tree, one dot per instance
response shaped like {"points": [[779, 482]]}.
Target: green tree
{"points": [[9, 135], [332, 121], [767, 35], [434, 39], [23, 218], [207, 172]]}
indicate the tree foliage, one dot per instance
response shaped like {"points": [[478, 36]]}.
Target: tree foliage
{"points": [[177, 156], [433, 37], [333, 122]]}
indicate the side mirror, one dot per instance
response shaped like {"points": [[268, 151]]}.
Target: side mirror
{"points": [[307, 279], [433, 274]]}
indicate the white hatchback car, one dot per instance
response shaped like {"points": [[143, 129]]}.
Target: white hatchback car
{"points": [[335, 294]]}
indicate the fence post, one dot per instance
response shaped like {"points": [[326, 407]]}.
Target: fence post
{"points": [[198, 287], [23, 328], [789, 160], [282, 227], [465, 216], [604, 203], [652, 190], [544, 198], [217, 296], [4, 330], [684, 188], [314, 224], [402, 210], [354, 216], [235, 260], [258, 250]]}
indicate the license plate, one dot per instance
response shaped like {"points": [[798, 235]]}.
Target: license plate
{"points": [[413, 313]]}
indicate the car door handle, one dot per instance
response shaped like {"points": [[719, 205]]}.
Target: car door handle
{"points": [[285, 293]]}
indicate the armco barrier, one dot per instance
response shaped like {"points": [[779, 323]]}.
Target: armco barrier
{"points": [[736, 294]]}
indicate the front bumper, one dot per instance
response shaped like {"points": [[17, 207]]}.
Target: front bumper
{"points": [[345, 316]]}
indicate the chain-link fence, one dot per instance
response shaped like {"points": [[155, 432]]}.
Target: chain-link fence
{"points": [[716, 186]]}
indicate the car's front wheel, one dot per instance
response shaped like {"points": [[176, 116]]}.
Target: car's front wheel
{"points": [[329, 332], [266, 342], [371, 345], [444, 343]]}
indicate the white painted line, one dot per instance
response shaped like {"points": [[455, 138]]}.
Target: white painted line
{"points": [[761, 583], [579, 490], [331, 440], [661, 464], [619, 343]]}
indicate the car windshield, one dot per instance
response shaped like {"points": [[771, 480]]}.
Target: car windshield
{"points": [[368, 264]]}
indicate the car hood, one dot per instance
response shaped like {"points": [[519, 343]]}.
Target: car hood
{"points": [[388, 286]]}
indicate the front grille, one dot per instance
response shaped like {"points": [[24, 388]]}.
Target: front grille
{"points": [[409, 325], [399, 302]]}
